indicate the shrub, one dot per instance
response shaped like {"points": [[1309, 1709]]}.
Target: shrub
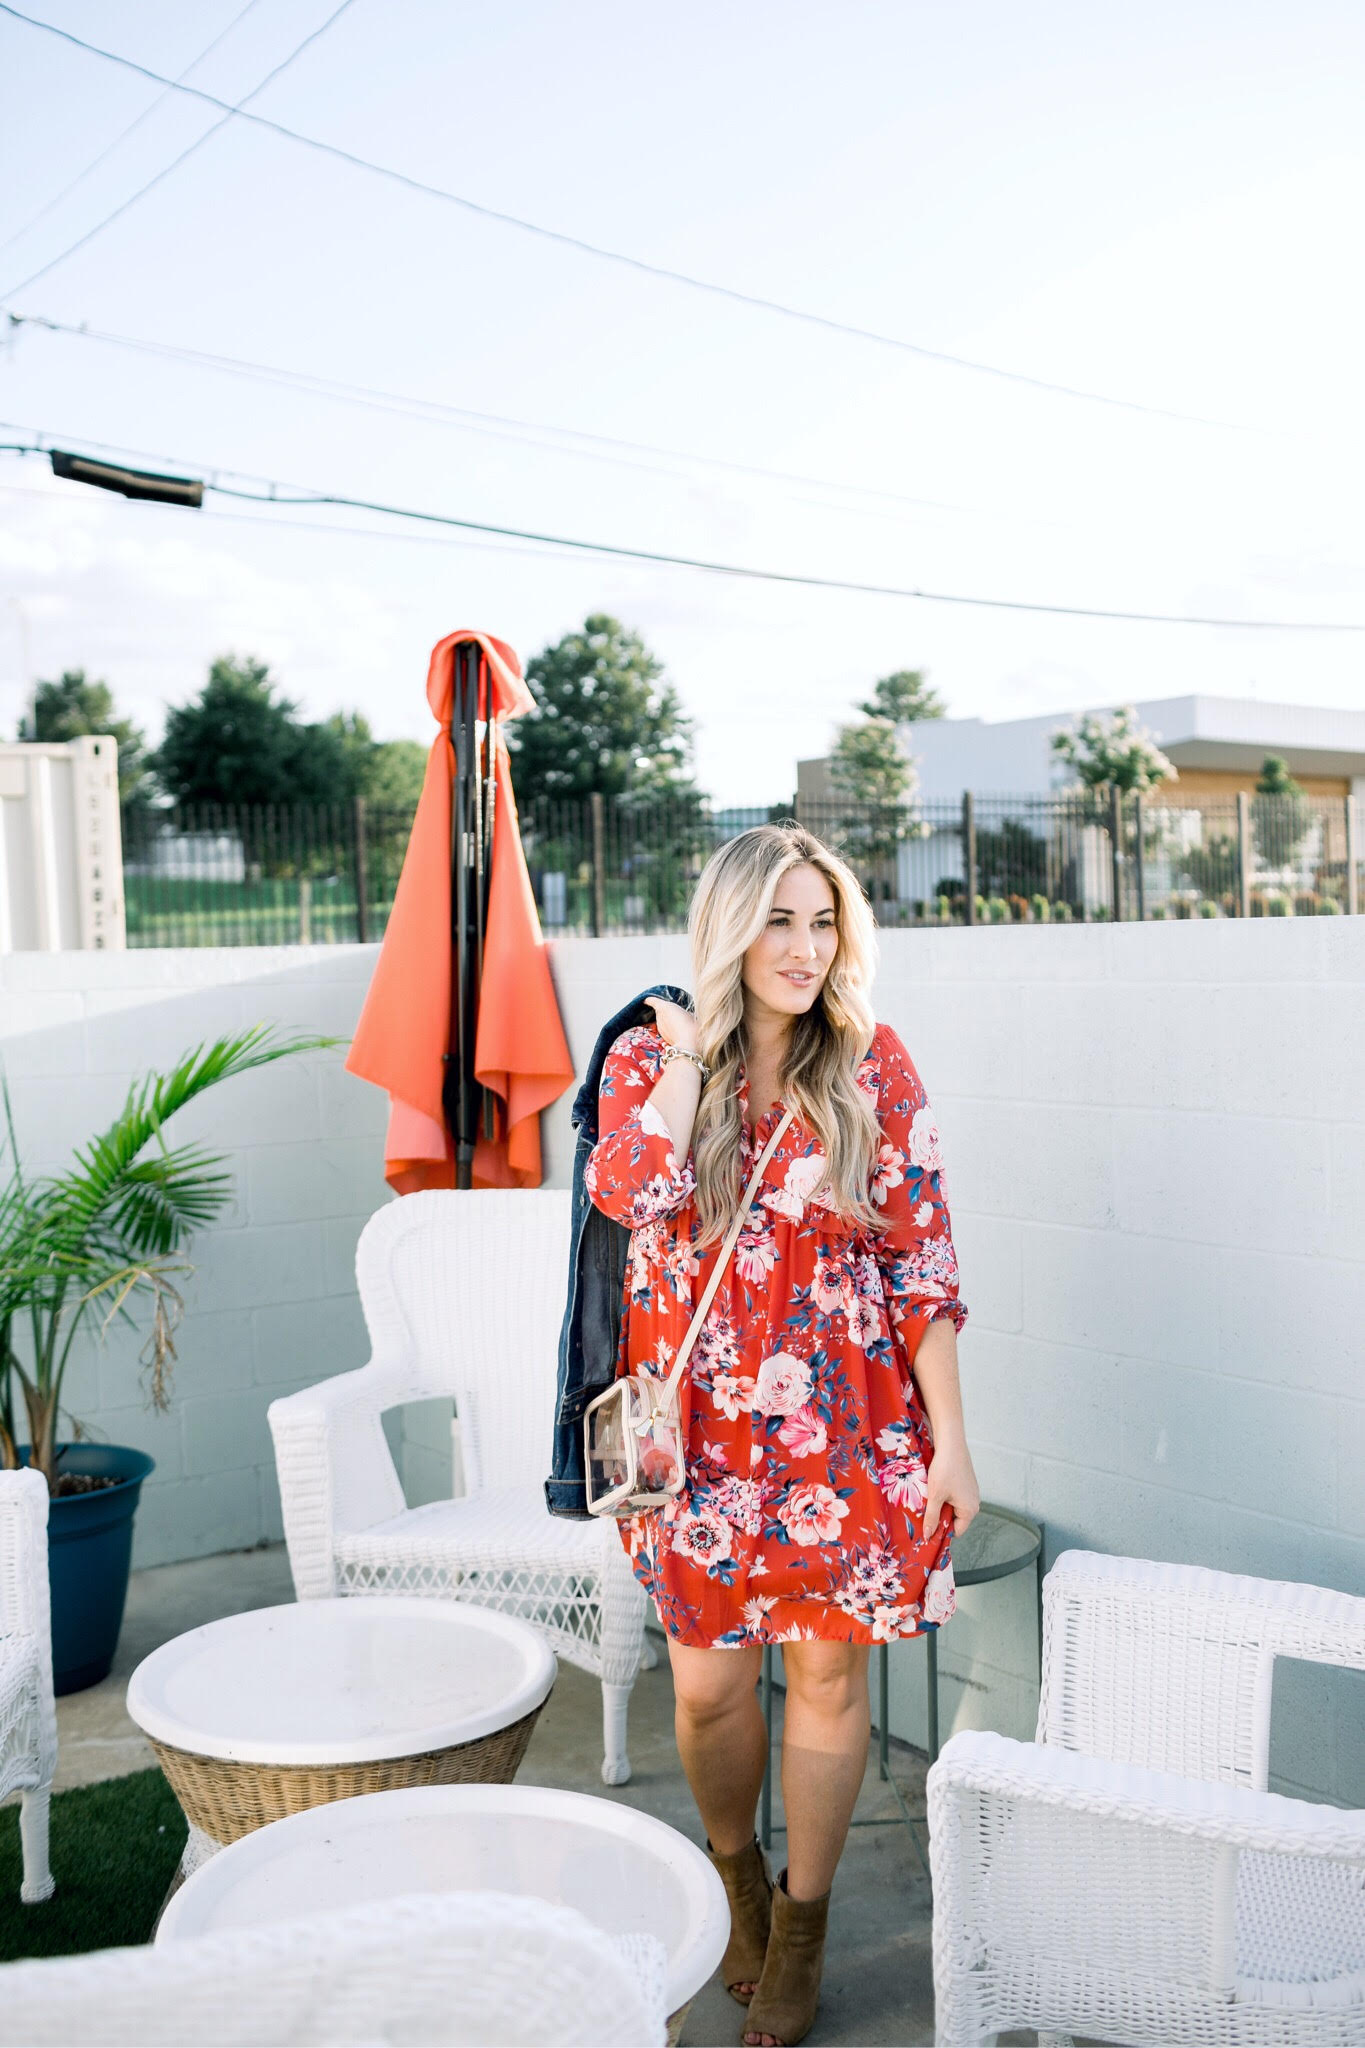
{"points": [[1329, 907], [1206, 909], [1306, 904], [1062, 913], [1041, 908]]}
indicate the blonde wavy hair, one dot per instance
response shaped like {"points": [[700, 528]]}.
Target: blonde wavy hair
{"points": [[730, 910]]}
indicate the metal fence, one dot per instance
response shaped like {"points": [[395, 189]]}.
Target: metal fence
{"points": [[259, 875]]}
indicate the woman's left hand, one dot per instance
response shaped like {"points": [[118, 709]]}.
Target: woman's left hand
{"points": [[953, 1491]]}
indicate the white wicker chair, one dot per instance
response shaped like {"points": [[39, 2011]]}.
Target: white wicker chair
{"points": [[1128, 1877], [462, 1969], [463, 1295], [28, 1717]]}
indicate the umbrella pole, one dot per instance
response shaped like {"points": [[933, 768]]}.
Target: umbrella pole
{"points": [[466, 906], [490, 790]]}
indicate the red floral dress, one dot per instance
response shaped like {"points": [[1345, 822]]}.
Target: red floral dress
{"points": [[807, 1444]]}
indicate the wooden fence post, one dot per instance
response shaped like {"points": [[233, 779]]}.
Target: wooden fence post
{"points": [[1352, 861], [1137, 858], [969, 853], [599, 883], [1243, 853], [362, 873], [1115, 851]]}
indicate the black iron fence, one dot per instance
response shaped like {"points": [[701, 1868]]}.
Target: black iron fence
{"points": [[261, 875]]}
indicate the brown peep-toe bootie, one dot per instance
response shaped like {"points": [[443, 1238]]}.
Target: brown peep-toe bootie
{"points": [[789, 1989], [749, 1889]]}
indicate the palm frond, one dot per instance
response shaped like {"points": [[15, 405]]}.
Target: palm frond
{"points": [[93, 1186]]}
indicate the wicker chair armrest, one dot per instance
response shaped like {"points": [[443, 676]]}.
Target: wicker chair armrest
{"points": [[335, 1469], [984, 1764]]}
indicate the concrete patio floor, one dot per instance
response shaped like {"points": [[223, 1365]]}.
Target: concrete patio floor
{"points": [[878, 1982]]}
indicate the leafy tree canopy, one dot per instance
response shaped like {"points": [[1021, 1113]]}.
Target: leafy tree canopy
{"points": [[1117, 752], [74, 706], [241, 742], [904, 697], [394, 774], [1276, 780], [606, 719], [868, 766]]}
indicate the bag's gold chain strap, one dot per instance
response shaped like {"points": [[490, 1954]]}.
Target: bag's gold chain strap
{"points": [[667, 1389]]}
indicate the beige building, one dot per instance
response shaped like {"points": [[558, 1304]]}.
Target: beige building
{"points": [[1217, 744]]}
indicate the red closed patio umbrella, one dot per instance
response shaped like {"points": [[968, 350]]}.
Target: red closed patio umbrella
{"points": [[461, 1024]]}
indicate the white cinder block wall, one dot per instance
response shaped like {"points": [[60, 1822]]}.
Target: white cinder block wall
{"points": [[1155, 1145], [272, 1305]]}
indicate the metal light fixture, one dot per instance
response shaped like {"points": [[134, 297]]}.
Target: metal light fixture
{"points": [[129, 483]]}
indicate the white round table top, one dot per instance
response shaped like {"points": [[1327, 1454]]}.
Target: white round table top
{"points": [[341, 1681], [627, 1872]]}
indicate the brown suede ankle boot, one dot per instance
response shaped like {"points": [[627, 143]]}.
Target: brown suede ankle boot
{"points": [[749, 1889], [789, 1989]]}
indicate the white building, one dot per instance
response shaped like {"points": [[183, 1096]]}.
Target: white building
{"points": [[1218, 744]]}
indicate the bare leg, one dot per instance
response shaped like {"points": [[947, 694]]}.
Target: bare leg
{"points": [[824, 1754], [723, 1744], [721, 1738]]}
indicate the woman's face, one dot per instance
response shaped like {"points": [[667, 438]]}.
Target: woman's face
{"points": [[787, 963]]}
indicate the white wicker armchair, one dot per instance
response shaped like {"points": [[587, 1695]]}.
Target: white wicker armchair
{"points": [[28, 1718], [1128, 1877], [463, 1295], [462, 1970]]}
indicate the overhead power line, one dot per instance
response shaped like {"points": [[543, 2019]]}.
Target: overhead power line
{"points": [[404, 405], [585, 247], [286, 494], [233, 111], [124, 133]]}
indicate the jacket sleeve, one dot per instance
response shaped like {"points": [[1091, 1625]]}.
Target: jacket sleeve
{"points": [[633, 1174], [914, 1251]]}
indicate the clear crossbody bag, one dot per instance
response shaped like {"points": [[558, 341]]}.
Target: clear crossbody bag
{"points": [[634, 1455]]}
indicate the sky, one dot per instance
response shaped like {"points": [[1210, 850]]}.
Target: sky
{"points": [[1161, 206]]}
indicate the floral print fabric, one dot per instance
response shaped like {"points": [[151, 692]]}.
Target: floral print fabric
{"points": [[807, 1444]]}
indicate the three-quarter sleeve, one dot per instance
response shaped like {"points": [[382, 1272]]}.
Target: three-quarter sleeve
{"points": [[914, 1251], [633, 1173]]}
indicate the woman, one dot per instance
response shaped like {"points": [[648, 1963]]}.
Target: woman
{"points": [[825, 1478]]}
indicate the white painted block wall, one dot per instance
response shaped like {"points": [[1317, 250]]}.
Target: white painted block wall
{"points": [[272, 1305], [1155, 1147], [1155, 1139]]}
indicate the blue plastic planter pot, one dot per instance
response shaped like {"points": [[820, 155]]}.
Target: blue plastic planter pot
{"points": [[89, 1550]]}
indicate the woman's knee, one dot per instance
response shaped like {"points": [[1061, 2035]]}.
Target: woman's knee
{"points": [[827, 1678], [712, 1685]]}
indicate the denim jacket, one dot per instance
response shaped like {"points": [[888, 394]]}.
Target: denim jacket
{"points": [[599, 1250]]}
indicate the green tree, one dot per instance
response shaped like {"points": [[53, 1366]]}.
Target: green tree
{"points": [[1281, 814], [874, 782], [869, 766], [240, 742], [395, 774], [1115, 752], [75, 706], [607, 719], [904, 697]]}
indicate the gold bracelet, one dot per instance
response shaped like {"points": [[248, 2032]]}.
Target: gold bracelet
{"points": [[684, 1052]]}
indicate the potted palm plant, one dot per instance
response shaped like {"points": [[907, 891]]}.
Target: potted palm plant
{"points": [[104, 1241]]}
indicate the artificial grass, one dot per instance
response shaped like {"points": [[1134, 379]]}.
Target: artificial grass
{"points": [[114, 1851]]}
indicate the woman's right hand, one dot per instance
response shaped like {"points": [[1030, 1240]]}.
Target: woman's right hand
{"points": [[675, 1025]]}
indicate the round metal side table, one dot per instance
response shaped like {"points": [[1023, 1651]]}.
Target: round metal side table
{"points": [[998, 1543]]}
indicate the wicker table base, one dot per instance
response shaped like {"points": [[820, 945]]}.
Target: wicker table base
{"points": [[227, 1800]]}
